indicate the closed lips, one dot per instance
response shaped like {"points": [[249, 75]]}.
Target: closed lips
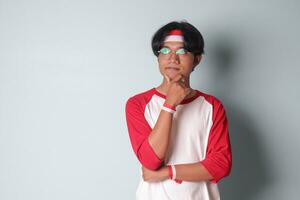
{"points": [[172, 68]]}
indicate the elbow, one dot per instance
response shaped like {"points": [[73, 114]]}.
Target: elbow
{"points": [[218, 168], [147, 156], [227, 166], [148, 159], [227, 171], [150, 162]]}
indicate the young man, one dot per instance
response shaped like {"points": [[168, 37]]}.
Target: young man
{"points": [[179, 134]]}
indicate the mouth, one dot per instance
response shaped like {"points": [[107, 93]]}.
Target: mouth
{"points": [[172, 68]]}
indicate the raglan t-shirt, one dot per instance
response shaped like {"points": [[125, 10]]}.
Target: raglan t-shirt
{"points": [[199, 134]]}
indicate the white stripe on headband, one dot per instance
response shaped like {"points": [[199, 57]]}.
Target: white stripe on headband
{"points": [[174, 38]]}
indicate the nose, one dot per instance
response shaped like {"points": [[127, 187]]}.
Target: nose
{"points": [[174, 58]]}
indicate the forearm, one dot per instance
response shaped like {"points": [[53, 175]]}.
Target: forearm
{"points": [[192, 172], [159, 137]]}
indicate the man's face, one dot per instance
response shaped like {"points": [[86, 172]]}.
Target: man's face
{"points": [[174, 63]]}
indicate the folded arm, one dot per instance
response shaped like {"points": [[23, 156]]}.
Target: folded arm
{"points": [[217, 162]]}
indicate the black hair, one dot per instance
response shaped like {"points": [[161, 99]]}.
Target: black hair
{"points": [[193, 40]]}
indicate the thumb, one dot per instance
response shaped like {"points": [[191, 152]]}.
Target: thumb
{"points": [[188, 91], [167, 78], [177, 78]]}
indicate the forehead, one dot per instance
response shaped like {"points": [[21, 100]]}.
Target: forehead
{"points": [[173, 45]]}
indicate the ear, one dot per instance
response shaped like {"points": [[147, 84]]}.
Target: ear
{"points": [[197, 60]]}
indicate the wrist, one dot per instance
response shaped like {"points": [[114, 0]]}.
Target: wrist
{"points": [[170, 102], [171, 106], [172, 174]]}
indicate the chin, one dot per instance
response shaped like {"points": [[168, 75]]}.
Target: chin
{"points": [[172, 75]]}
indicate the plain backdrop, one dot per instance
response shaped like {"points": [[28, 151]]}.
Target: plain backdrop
{"points": [[68, 67]]}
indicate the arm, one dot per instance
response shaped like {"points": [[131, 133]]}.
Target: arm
{"points": [[149, 145], [192, 172], [218, 160], [159, 136], [186, 172]]}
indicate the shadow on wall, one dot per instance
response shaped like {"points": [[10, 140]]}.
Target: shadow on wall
{"points": [[249, 175]]}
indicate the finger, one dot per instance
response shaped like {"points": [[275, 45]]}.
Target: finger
{"points": [[181, 84], [167, 78], [182, 81], [177, 78], [188, 91]]}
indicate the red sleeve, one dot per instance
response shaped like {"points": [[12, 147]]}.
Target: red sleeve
{"points": [[139, 130], [218, 158]]}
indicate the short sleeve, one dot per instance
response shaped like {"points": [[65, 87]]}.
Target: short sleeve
{"points": [[139, 130], [218, 159]]}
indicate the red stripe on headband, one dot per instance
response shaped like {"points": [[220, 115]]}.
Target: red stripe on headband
{"points": [[175, 32]]}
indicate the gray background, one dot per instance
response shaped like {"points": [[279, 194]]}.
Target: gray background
{"points": [[68, 67]]}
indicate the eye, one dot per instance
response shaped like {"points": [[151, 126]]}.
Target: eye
{"points": [[164, 50], [181, 51]]}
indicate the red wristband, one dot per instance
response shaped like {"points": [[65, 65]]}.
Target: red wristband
{"points": [[170, 171], [169, 106], [178, 181]]}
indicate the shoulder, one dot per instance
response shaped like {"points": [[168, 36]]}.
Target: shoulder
{"points": [[140, 99], [217, 108], [211, 99]]}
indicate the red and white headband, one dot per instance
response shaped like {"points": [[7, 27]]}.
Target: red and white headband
{"points": [[175, 35]]}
